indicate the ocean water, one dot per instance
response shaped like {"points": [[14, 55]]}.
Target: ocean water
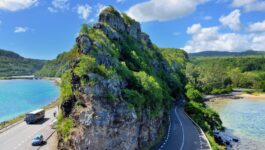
{"points": [[244, 118], [21, 96]]}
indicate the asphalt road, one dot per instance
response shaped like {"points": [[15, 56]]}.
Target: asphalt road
{"points": [[19, 137], [183, 134]]}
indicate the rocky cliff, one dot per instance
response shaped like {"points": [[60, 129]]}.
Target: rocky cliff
{"points": [[119, 88]]}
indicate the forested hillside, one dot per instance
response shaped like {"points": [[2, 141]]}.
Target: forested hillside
{"points": [[215, 75], [12, 64], [57, 66]]}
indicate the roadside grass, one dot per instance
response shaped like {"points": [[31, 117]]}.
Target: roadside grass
{"points": [[21, 117], [214, 145], [64, 126], [12, 121]]}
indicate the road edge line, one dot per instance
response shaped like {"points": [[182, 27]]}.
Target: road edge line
{"points": [[183, 135], [11, 126], [199, 129]]}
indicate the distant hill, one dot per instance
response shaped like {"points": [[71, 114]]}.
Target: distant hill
{"points": [[225, 53], [57, 66], [12, 64]]}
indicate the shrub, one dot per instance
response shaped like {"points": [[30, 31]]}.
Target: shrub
{"points": [[64, 126], [193, 94], [85, 65], [205, 117], [85, 29], [222, 90], [152, 91], [66, 87], [102, 70], [134, 98]]}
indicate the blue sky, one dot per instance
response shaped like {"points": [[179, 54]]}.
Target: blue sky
{"points": [[44, 28]]}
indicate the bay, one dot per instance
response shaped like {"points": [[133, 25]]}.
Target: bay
{"points": [[20, 96]]}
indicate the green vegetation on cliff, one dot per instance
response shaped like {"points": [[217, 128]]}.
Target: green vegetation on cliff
{"points": [[12, 64], [114, 63], [56, 67]]}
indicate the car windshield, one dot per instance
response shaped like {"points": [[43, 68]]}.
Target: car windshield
{"points": [[37, 137]]}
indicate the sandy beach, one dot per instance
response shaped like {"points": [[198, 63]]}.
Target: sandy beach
{"points": [[253, 96]]}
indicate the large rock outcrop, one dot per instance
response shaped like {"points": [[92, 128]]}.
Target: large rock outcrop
{"points": [[114, 89]]}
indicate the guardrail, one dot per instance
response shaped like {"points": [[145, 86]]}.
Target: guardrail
{"points": [[199, 129]]}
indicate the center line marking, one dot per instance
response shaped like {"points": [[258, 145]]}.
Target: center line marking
{"points": [[183, 136]]}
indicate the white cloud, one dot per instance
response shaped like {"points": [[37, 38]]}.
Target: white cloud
{"points": [[195, 28], [16, 5], [59, 5], [250, 5], [161, 10], [20, 29], [210, 38], [100, 7], [83, 11], [257, 26], [232, 20]]}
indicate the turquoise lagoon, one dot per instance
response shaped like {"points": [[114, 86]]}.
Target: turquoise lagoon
{"points": [[21, 96], [244, 118]]}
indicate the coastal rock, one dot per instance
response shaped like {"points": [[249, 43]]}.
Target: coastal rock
{"points": [[134, 30], [109, 32], [113, 86], [84, 43], [103, 117], [113, 18], [146, 39], [106, 59]]}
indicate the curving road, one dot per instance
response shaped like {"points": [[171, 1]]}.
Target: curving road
{"points": [[183, 134], [19, 137]]}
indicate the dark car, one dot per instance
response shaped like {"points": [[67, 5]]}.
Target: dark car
{"points": [[37, 140]]}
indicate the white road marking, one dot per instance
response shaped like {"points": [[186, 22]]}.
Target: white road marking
{"points": [[183, 136]]}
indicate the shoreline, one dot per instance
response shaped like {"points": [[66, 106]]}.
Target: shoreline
{"points": [[20, 117], [253, 96], [52, 104], [219, 100], [236, 95]]}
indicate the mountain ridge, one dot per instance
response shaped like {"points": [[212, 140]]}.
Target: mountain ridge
{"points": [[226, 53], [13, 64]]}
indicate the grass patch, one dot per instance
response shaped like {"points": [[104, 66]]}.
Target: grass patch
{"points": [[64, 126], [12, 121]]}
